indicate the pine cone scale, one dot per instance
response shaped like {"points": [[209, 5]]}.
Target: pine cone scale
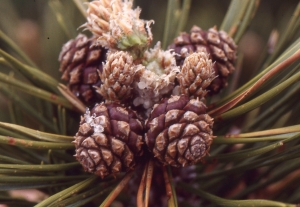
{"points": [[218, 53], [182, 146], [95, 156], [107, 156], [176, 102], [100, 139], [161, 141], [89, 143], [213, 36], [85, 129], [74, 75], [172, 116], [175, 131], [118, 147], [90, 76]]}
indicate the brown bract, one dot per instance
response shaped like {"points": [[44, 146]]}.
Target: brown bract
{"points": [[109, 139], [179, 132]]}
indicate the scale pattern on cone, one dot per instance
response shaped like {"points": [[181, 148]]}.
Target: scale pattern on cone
{"points": [[196, 75], [117, 76], [109, 140], [179, 132], [79, 61], [218, 44]]}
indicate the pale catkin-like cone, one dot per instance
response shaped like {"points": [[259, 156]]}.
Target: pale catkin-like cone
{"points": [[117, 76], [196, 75], [117, 25]]}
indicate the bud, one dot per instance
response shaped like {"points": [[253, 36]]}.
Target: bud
{"points": [[118, 26], [157, 79]]}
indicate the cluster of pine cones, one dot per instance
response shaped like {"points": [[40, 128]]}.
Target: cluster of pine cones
{"points": [[142, 101]]}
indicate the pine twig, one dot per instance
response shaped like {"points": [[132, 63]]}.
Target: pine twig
{"points": [[139, 197], [230, 104], [72, 98], [172, 200], [117, 190]]}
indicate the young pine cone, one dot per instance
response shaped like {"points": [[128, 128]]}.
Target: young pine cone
{"points": [[110, 140], [118, 26], [218, 44], [179, 132], [196, 75], [117, 76], [79, 61]]}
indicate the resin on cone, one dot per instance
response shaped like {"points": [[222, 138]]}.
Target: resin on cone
{"points": [[109, 140]]}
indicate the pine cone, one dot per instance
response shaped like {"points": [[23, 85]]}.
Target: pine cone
{"points": [[179, 132], [196, 75], [110, 140], [79, 61], [117, 76], [218, 44]]}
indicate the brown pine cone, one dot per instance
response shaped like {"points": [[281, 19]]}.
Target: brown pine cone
{"points": [[110, 140], [179, 132], [196, 75], [218, 44], [79, 60], [117, 76]]}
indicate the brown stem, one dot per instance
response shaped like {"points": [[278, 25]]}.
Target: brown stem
{"points": [[148, 181], [230, 104], [139, 197], [276, 188], [112, 196], [167, 182], [78, 105]]}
